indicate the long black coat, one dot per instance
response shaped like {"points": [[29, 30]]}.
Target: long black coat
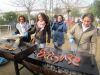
{"points": [[42, 37]]}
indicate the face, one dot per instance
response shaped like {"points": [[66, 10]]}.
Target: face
{"points": [[59, 19], [21, 20], [40, 18], [87, 21]]}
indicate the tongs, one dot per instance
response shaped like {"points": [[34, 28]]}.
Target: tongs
{"points": [[92, 60]]}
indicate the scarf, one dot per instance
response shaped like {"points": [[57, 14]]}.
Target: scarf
{"points": [[41, 24]]}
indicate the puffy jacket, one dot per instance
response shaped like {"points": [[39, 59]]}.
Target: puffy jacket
{"points": [[59, 28]]}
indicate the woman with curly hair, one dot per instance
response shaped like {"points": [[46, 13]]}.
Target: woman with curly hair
{"points": [[40, 29]]}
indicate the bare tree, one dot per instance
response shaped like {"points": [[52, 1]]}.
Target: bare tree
{"points": [[73, 3], [27, 4]]}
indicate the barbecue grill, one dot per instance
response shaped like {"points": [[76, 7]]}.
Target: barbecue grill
{"points": [[26, 55], [8, 54], [61, 68]]}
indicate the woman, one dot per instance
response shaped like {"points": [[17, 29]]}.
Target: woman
{"points": [[58, 29], [22, 28], [84, 35], [40, 29]]}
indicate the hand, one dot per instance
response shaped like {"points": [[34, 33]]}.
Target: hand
{"points": [[13, 33], [47, 44], [71, 41]]}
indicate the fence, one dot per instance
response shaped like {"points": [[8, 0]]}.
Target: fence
{"points": [[5, 29]]}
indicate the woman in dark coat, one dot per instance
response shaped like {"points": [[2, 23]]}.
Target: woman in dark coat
{"points": [[40, 29]]}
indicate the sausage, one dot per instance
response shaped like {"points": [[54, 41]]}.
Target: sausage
{"points": [[54, 59], [46, 56], [73, 60], [77, 59], [42, 51], [75, 64], [51, 53], [40, 55], [69, 62], [61, 58]]}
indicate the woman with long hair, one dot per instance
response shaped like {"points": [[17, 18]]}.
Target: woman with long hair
{"points": [[40, 29]]}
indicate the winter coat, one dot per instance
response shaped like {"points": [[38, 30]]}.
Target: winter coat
{"points": [[41, 36], [85, 41], [58, 28]]}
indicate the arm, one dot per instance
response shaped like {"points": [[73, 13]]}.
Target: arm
{"points": [[48, 33], [71, 32], [16, 31], [94, 43], [64, 28], [53, 26], [32, 30]]}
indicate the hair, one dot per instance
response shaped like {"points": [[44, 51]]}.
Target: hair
{"points": [[44, 16], [61, 17], [55, 16], [23, 18], [90, 15]]}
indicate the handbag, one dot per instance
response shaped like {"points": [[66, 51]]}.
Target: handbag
{"points": [[33, 38], [36, 35]]}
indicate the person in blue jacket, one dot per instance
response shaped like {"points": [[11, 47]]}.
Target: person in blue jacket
{"points": [[59, 28]]}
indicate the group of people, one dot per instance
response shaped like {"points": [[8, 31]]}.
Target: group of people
{"points": [[83, 34], [42, 26]]}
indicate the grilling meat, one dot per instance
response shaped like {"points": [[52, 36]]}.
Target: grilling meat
{"points": [[54, 59], [40, 55], [7, 47], [72, 59], [50, 55], [61, 58]]}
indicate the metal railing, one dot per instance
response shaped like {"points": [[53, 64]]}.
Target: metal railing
{"points": [[5, 28]]}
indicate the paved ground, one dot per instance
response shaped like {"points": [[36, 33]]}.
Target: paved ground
{"points": [[8, 69]]}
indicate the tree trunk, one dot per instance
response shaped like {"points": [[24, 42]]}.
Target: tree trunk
{"points": [[29, 17]]}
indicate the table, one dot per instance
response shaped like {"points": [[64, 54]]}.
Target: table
{"points": [[12, 55]]}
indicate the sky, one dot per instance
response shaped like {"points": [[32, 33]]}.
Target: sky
{"points": [[6, 5]]}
